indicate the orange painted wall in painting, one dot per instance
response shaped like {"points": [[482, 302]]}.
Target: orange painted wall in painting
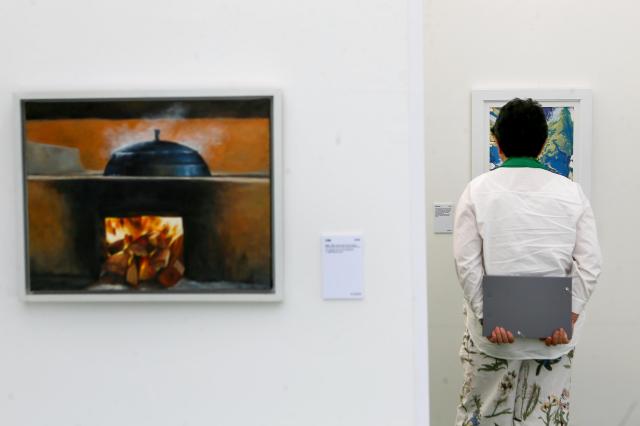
{"points": [[228, 145], [50, 242], [244, 227]]}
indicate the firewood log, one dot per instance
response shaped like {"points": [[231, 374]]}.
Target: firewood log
{"points": [[179, 267], [177, 247], [140, 246], [117, 263], [147, 271], [160, 259], [132, 274], [169, 277], [163, 239], [155, 239], [116, 246]]}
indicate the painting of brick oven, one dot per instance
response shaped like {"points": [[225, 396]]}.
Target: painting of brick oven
{"points": [[149, 195]]}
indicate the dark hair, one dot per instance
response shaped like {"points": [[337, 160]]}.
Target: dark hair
{"points": [[521, 128]]}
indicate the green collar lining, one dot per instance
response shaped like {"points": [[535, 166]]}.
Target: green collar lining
{"points": [[523, 162]]}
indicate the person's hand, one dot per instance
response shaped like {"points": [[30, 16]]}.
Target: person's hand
{"points": [[500, 335], [559, 337], [574, 318]]}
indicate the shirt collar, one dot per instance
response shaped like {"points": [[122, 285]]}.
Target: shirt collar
{"points": [[523, 162]]}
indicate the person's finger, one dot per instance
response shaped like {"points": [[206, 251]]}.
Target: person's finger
{"points": [[505, 338], [547, 341], [557, 337], [493, 338], [574, 318], [565, 338], [510, 336], [498, 336]]}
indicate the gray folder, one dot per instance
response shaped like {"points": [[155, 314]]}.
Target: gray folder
{"points": [[527, 306]]}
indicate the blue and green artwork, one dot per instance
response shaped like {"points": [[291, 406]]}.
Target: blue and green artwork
{"points": [[557, 154]]}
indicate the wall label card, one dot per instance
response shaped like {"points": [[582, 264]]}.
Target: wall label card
{"points": [[443, 218], [342, 267]]}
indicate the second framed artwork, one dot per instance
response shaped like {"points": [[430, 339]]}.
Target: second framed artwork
{"points": [[569, 117]]}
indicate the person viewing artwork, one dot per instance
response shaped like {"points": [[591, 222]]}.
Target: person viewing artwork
{"points": [[521, 219]]}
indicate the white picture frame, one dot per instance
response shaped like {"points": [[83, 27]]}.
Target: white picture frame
{"points": [[579, 99], [274, 294]]}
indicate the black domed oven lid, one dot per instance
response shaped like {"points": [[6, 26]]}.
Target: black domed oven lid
{"points": [[156, 158]]}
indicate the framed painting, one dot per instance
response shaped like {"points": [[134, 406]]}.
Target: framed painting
{"points": [[568, 147], [152, 196]]}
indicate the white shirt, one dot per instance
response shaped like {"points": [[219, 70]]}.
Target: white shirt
{"points": [[524, 221]]}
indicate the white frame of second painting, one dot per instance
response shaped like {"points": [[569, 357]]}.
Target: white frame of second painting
{"points": [[580, 100]]}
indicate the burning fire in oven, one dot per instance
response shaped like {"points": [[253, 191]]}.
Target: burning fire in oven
{"points": [[144, 250]]}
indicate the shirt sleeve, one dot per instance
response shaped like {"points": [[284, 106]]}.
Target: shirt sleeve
{"points": [[467, 252], [587, 259]]}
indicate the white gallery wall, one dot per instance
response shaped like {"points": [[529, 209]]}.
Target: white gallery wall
{"points": [[343, 67], [542, 44]]}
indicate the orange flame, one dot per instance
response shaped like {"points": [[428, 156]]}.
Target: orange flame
{"points": [[118, 228], [144, 248]]}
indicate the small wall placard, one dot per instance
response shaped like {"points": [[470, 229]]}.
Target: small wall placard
{"points": [[443, 218], [342, 267]]}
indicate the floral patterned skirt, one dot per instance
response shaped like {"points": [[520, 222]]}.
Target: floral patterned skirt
{"points": [[513, 392]]}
